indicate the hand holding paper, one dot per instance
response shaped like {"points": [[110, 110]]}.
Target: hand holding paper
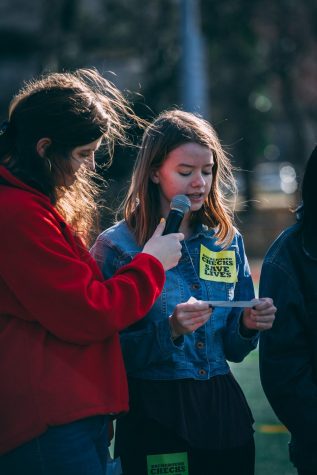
{"points": [[189, 316], [261, 316]]}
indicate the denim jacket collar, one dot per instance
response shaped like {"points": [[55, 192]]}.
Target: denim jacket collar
{"points": [[201, 230]]}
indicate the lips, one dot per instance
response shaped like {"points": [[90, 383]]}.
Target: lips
{"points": [[196, 197]]}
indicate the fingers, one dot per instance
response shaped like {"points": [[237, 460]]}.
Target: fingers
{"points": [[262, 313], [187, 317], [160, 228], [177, 236], [195, 306], [263, 325], [197, 319], [261, 317], [194, 323], [265, 303], [266, 309], [261, 321]]}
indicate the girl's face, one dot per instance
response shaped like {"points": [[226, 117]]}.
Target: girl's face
{"points": [[84, 155], [187, 170]]}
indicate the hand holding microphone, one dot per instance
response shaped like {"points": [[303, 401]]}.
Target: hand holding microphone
{"points": [[165, 243]]}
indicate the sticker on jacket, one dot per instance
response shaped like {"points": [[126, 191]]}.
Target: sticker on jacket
{"points": [[217, 266], [167, 463]]}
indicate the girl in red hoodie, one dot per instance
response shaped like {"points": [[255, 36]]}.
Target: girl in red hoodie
{"points": [[61, 368]]}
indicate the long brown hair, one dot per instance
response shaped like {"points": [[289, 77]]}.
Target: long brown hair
{"points": [[170, 130], [71, 109]]}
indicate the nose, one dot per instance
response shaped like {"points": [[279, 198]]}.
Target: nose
{"points": [[198, 180]]}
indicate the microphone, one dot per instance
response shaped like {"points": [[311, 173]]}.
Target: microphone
{"points": [[180, 205]]}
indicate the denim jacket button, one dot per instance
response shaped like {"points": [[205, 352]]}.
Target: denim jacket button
{"points": [[200, 345], [202, 372], [195, 286]]}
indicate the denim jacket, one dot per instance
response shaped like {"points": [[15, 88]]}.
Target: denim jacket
{"points": [[206, 272], [288, 352]]}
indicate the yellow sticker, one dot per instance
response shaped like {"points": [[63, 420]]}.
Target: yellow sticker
{"points": [[217, 266]]}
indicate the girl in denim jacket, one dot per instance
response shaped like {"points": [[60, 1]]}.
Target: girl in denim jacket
{"points": [[187, 412]]}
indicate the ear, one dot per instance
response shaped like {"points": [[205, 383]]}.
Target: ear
{"points": [[154, 175], [42, 145]]}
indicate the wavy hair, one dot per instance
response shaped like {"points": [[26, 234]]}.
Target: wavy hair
{"points": [[170, 130], [71, 109]]}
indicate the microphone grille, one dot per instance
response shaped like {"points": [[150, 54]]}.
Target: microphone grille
{"points": [[180, 203]]}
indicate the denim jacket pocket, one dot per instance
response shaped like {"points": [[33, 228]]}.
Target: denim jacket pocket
{"points": [[174, 356]]}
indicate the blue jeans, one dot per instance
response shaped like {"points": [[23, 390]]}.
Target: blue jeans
{"points": [[78, 448]]}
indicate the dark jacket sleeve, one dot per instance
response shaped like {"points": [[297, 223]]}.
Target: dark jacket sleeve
{"points": [[285, 356], [237, 346]]}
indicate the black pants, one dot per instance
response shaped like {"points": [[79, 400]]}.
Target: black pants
{"points": [[137, 438]]}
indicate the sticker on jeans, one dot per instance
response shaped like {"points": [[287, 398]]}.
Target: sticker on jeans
{"points": [[217, 266], [168, 464]]}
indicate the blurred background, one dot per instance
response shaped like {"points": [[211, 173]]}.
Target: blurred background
{"points": [[248, 66]]}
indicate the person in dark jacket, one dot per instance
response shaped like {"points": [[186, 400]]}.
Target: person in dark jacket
{"points": [[61, 368], [288, 352]]}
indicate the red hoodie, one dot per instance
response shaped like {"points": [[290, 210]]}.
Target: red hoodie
{"points": [[60, 357]]}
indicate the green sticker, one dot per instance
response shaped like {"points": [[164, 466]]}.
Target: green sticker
{"points": [[167, 464]]}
